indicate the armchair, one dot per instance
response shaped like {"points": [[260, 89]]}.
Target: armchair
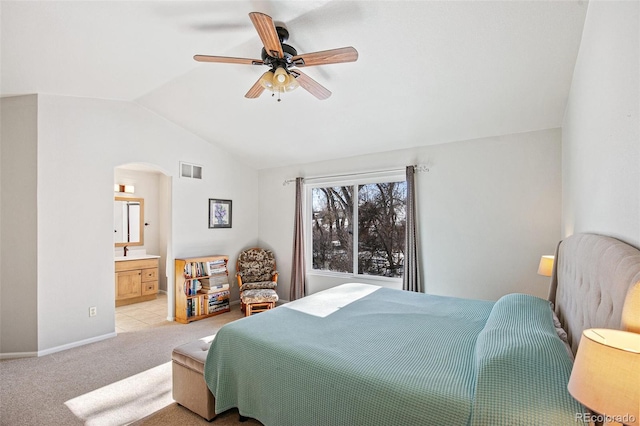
{"points": [[257, 278]]}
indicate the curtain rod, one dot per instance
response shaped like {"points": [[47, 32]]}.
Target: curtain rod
{"points": [[419, 168]]}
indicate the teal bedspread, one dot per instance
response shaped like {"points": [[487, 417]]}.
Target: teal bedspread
{"points": [[395, 358]]}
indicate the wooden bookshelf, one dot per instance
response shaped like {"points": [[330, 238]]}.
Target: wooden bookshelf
{"points": [[192, 303]]}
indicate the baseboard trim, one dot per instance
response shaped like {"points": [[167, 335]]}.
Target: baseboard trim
{"points": [[76, 344], [12, 355]]}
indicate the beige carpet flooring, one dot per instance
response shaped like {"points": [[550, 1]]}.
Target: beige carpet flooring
{"points": [[174, 415], [118, 381]]}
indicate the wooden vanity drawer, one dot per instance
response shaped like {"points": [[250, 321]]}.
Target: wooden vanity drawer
{"points": [[150, 274], [128, 265], [149, 287]]}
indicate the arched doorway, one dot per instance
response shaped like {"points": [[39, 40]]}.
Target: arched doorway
{"points": [[151, 184]]}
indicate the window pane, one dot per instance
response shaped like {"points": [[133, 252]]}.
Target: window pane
{"points": [[381, 228], [332, 233]]}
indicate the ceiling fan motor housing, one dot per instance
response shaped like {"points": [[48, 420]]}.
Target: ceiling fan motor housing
{"points": [[283, 33], [288, 51]]}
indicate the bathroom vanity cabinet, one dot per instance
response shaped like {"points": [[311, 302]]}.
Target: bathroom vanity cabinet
{"points": [[136, 280]]}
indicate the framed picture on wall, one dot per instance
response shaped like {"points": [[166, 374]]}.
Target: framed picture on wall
{"points": [[219, 213]]}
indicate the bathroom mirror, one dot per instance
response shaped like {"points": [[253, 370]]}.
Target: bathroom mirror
{"points": [[128, 221]]}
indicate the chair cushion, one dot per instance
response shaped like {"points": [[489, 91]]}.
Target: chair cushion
{"points": [[258, 285], [255, 271], [258, 296], [256, 265]]}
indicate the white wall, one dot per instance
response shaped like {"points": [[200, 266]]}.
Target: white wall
{"points": [[80, 142], [166, 268], [18, 241], [601, 136], [488, 209]]}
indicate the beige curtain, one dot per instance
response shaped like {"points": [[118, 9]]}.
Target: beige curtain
{"points": [[298, 271], [410, 279]]}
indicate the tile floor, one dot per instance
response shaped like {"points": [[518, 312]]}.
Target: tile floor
{"points": [[141, 315]]}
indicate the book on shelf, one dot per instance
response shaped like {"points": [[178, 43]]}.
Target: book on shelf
{"points": [[190, 308], [218, 308], [192, 287], [220, 295], [203, 269], [215, 280], [187, 270], [196, 307], [216, 302], [215, 267], [191, 270], [215, 289]]}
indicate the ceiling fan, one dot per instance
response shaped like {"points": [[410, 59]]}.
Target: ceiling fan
{"points": [[283, 60]]}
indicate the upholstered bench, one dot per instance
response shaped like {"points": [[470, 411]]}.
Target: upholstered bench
{"points": [[189, 387]]}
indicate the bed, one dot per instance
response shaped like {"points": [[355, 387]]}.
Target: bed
{"points": [[365, 355]]}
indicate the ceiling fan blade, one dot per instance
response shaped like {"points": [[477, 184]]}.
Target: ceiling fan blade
{"points": [[268, 34], [255, 91], [333, 56], [310, 85], [227, 60]]}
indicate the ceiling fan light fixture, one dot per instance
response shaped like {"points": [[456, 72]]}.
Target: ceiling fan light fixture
{"points": [[279, 81], [292, 84], [280, 77], [267, 80]]}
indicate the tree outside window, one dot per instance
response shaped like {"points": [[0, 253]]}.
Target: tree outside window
{"points": [[332, 232], [378, 210]]}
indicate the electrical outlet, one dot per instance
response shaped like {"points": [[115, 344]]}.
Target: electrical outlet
{"points": [[93, 311]]}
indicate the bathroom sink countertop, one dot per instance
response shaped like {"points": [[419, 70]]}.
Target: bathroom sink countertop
{"points": [[136, 257]]}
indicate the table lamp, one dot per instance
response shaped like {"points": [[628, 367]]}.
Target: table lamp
{"points": [[606, 375], [546, 266]]}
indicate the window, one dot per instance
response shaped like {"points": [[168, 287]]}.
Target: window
{"points": [[332, 231], [376, 245]]}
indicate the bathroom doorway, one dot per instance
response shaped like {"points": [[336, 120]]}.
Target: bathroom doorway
{"points": [[153, 185]]}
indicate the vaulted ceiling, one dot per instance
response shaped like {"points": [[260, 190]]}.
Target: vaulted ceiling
{"points": [[428, 72]]}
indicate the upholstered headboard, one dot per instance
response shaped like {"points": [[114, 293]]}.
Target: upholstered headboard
{"points": [[596, 284]]}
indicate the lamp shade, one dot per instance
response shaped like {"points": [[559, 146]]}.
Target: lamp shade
{"points": [[546, 265], [606, 374], [292, 83], [266, 80], [278, 81], [280, 77], [630, 312]]}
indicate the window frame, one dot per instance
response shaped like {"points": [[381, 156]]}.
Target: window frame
{"points": [[353, 180]]}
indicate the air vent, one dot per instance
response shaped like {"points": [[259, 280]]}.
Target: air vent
{"points": [[192, 171]]}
